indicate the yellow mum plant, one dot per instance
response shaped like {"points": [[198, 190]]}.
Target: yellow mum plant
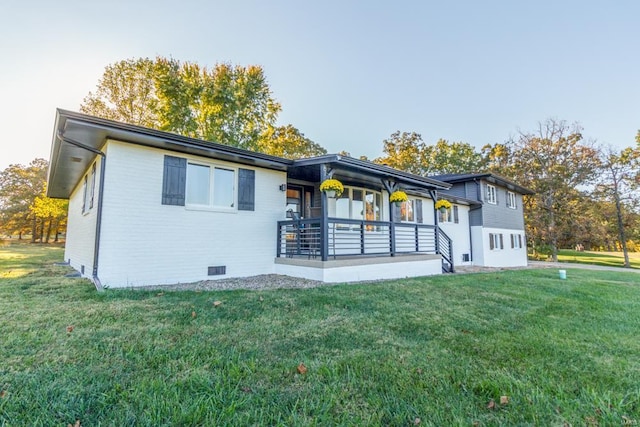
{"points": [[332, 185], [398, 196], [443, 204]]}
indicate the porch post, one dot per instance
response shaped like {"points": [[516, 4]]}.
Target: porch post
{"points": [[392, 230], [324, 218]]}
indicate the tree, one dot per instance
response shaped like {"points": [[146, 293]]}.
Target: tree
{"points": [[554, 162], [406, 151], [288, 142], [50, 211], [227, 104], [618, 185], [451, 157], [19, 187]]}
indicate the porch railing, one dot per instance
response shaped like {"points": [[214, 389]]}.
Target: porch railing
{"points": [[348, 237]]}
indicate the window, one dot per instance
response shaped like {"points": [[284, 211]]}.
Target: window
{"points": [[85, 207], [359, 203], [449, 215], [407, 211], [516, 241], [93, 185], [496, 241], [511, 199], [89, 190], [491, 194], [210, 186]]}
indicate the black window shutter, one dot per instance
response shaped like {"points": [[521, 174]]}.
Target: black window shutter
{"points": [[490, 241], [512, 241], [520, 240], [419, 219], [456, 219], [174, 181], [501, 242], [246, 189]]}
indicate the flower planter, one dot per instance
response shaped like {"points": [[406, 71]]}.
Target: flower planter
{"points": [[331, 194]]}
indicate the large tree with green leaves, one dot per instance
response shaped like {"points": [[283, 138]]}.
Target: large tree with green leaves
{"points": [[618, 184], [407, 151], [227, 104], [288, 142], [554, 162], [19, 187]]}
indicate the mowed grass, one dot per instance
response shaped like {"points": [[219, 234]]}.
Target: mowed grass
{"points": [[609, 259], [429, 351]]}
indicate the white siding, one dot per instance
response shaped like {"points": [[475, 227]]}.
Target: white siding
{"points": [[506, 257], [145, 243], [81, 227], [459, 234]]}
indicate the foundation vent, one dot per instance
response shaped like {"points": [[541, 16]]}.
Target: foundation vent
{"points": [[466, 258], [217, 271]]}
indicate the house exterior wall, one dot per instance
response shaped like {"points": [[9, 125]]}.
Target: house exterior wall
{"points": [[498, 257], [459, 234], [81, 226], [499, 215], [146, 243]]}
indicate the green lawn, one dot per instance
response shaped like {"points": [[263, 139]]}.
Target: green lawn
{"points": [[437, 349], [610, 259]]}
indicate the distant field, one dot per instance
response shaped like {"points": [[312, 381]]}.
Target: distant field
{"points": [[611, 259]]}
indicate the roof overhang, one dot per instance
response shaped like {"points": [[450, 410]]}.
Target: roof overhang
{"points": [[69, 162], [489, 177], [367, 172]]}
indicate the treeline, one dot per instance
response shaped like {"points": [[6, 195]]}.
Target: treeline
{"points": [[586, 195], [24, 207]]}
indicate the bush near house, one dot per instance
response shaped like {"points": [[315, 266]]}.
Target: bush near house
{"points": [[503, 348]]}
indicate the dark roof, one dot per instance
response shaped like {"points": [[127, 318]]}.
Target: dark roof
{"points": [[454, 178], [78, 139], [68, 162], [355, 168]]}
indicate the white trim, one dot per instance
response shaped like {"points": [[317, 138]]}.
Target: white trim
{"points": [[511, 200], [491, 194]]}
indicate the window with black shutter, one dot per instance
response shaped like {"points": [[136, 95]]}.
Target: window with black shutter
{"points": [[174, 181], [246, 189]]}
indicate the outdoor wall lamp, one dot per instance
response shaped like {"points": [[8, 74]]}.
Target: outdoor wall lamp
{"points": [[283, 187]]}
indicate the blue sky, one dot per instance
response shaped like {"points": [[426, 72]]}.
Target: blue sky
{"points": [[347, 73]]}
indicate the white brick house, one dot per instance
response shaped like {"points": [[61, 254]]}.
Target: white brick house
{"points": [[149, 207]]}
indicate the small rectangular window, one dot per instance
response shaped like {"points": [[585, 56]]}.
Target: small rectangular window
{"points": [[93, 185], [223, 187], [511, 199], [85, 205], [491, 194], [496, 241], [516, 241], [198, 189]]}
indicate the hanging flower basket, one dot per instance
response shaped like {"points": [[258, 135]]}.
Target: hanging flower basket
{"points": [[332, 187], [443, 205], [398, 197]]}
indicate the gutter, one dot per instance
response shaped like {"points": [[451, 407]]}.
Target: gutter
{"points": [[96, 248]]}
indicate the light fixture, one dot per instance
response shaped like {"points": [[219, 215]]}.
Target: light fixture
{"points": [[283, 187]]}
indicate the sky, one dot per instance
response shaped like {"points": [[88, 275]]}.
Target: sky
{"points": [[347, 73]]}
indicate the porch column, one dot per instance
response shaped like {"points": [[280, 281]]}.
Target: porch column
{"points": [[324, 218]]}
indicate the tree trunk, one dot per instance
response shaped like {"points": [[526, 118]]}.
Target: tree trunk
{"points": [[41, 229], [57, 228], [553, 235], [49, 230], [34, 229], [621, 232]]}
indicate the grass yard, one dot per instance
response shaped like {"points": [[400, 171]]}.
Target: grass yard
{"points": [[431, 351], [609, 259]]}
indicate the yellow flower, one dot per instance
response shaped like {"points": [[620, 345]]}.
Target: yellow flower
{"points": [[332, 185], [443, 204], [398, 196]]}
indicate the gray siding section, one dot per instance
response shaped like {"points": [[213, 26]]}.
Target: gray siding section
{"points": [[475, 217], [471, 190], [457, 190], [499, 215]]}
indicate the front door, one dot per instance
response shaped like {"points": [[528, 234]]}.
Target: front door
{"points": [[299, 200]]}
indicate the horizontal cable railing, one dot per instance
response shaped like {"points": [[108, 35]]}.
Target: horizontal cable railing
{"points": [[349, 237]]}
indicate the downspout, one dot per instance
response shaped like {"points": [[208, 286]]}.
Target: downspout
{"points": [[96, 248]]}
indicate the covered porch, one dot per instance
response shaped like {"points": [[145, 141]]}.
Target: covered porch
{"points": [[362, 223]]}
